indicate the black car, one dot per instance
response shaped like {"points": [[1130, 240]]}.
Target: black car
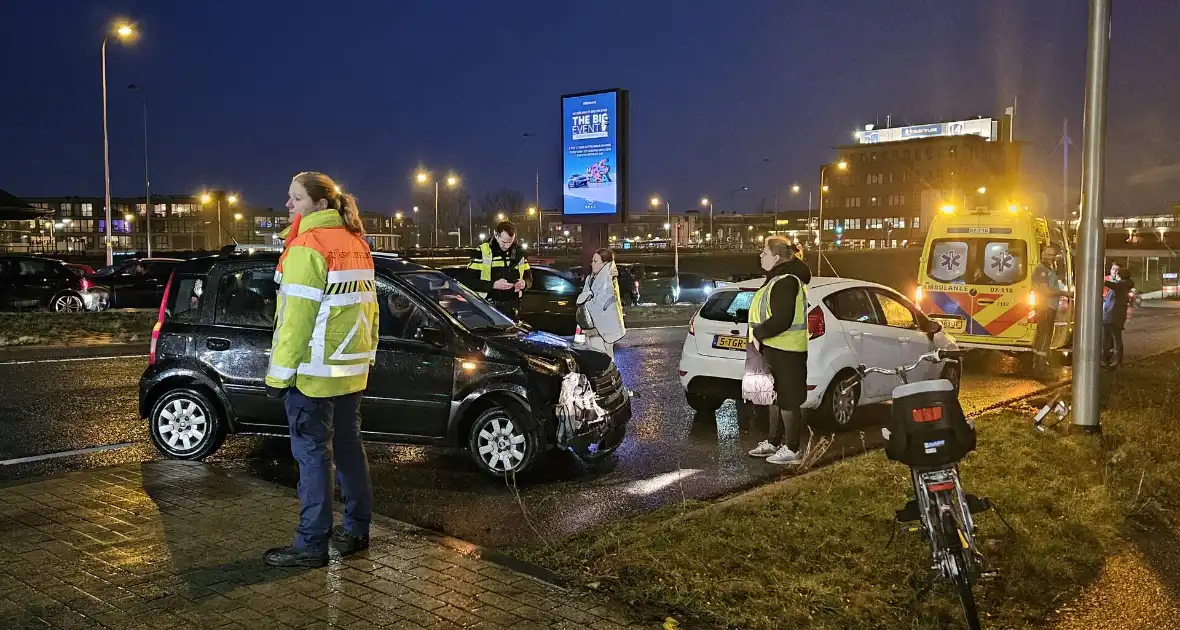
{"points": [[32, 283], [450, 369], [628, 281], [549, 305], [135, 283]]}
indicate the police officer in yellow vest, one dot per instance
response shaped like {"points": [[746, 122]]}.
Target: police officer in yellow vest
{"points": [[504, 272], [778, 330]]}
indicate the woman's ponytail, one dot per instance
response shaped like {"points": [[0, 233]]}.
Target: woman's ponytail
{"points": [[350, 214]]}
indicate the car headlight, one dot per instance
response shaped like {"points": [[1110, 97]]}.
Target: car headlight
{"points": [[544, 366]]}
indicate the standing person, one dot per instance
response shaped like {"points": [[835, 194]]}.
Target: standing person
{"points": [[1047, 288], [504, 272], [325, 340], [778, 330], [1115, 300], [600, 301]]}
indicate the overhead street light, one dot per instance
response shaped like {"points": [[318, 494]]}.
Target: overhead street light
{"points": [[123, 31], [424, 177]]}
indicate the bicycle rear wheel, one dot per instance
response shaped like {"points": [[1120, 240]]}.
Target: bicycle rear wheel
{"points": [[962, 569]]}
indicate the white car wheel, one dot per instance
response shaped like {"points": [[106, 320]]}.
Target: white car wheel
{"points": [[841, 399], [68, 303]]}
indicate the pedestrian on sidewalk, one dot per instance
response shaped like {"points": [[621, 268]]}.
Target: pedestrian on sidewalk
{"points": [[324, 343], [600, 308], [1115, 300], [778, 330]]}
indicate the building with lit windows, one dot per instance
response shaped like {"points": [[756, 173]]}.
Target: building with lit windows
{"points": [[895, 179]]}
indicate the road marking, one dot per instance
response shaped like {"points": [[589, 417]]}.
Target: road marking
{"points": [[75, 359], [80, 451]]}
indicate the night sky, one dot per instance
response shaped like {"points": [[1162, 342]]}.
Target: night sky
{"points": [[244, 94]]}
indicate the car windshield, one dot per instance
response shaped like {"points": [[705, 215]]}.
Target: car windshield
{"points": [[467, 307]]}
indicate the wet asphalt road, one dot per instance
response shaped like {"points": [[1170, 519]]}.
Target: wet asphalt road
{"points": [[669, 455]]}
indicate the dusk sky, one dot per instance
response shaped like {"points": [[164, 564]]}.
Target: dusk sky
{"points": [[242, 95]]}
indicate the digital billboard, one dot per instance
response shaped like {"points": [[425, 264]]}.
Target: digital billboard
{"points": [[594, 156]]}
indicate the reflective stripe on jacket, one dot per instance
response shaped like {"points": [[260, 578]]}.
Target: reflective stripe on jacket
{"points": [[494, 267], [794, 339], [326, 325]]}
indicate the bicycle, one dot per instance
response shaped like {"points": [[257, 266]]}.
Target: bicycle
{"points": [[930, 434]]}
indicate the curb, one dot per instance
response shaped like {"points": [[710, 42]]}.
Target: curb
{"points": [[29, 354]]}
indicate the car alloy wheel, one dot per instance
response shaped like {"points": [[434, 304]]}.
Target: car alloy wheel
{"points": [[843, 399], [182, 425], [500, 442], [68, 303], [185, 425]]}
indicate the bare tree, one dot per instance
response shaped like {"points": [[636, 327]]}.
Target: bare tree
{"points": [[510, 202]]}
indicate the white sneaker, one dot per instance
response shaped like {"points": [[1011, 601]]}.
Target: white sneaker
{"points": [[764, 449], [785, 456]]}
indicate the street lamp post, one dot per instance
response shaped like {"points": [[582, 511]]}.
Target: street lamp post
{"points": [[452, 181], [537, 211], [655, 202], [232, 200], [819, 240], [538, 181], [147, 200], [705, 202], [417, 229], [123, 32]]}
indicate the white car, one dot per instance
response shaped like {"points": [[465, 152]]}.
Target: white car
{"points": [[850, 322]]}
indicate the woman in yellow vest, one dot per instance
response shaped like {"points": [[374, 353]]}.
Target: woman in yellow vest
{"points": [[778, 329]]}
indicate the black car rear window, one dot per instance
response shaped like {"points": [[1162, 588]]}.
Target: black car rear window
{"points": [[728, 306]]}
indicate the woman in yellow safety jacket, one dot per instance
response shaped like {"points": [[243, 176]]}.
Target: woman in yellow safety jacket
{"points": [[778, 329], [325, 340]]}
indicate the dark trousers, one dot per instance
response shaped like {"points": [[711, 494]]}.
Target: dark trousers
{"points": [[1045, 319], [1112, 344], [323, 430]]}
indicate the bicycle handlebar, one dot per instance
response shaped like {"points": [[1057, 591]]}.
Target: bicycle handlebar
{"points": [[937, 355]]}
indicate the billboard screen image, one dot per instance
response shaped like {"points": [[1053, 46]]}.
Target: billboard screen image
{"points": [[591, 170]]}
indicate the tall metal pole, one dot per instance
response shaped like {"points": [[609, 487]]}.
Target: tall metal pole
{"points": [[106, 156], [1088, 336], [819, 229], [713, 235], [1065, 173], [434, 231], [220, 229], [147, 202]]}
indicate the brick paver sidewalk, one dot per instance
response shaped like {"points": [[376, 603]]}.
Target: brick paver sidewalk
{"points": [[179, 544]]}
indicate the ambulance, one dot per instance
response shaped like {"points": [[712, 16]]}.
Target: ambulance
{"points": [[975, 277]]}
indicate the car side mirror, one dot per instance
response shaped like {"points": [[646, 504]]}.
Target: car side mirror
{"points": [[930, 327], [430, 335]]}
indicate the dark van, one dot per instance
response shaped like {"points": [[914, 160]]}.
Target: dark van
{"points": [[450, 369]]}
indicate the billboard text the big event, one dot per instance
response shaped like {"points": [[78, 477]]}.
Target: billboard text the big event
{"points": [[593, 155]]}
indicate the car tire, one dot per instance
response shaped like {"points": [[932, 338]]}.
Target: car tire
{"points": [[67, 303], [500, 443], [703, 404], [185, 424], [839, 404], [668, 299]]}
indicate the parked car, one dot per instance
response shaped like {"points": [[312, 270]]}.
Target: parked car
{"points": [[695, 288], [136, 282], [80, 269], [577, 180], [850, 322], [450, 370], [550, 305], [628, 284], [31, 283]]}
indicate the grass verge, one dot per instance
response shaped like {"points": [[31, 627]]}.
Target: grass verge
{"points": [[810, 551], [67, 329]]}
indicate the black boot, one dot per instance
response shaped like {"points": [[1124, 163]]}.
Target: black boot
{"points": [[346, 543], [292, 556]]}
